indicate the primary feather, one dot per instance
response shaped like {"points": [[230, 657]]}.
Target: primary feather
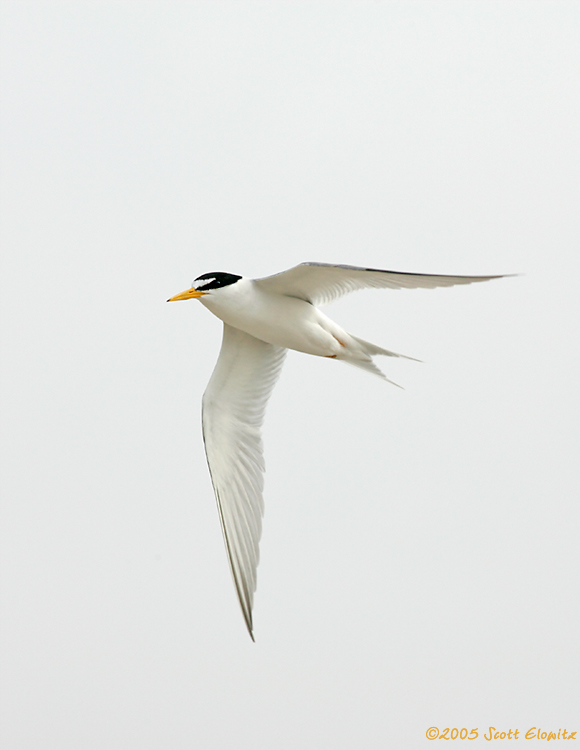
{"points": [[232, 414]]}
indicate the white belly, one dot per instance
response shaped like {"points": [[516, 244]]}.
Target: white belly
{"points": [[283, 321]]}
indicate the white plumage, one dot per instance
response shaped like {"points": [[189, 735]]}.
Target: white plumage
{"points": [[262, 319]]}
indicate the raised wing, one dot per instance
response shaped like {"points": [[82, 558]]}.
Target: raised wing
{"points": [[322, 283], [232, 414]]}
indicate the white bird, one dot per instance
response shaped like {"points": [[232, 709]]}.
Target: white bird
{"points": [[262, 319]]}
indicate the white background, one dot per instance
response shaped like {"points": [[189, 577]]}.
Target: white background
{"points": [[419, 562]]}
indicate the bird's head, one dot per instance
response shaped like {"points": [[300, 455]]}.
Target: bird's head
{"points": [[206, 284]]}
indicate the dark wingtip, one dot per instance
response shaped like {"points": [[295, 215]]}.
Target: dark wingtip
{"points": [[250, 626]]}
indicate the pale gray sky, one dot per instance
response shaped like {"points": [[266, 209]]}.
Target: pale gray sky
{"points": [[419, 559]]}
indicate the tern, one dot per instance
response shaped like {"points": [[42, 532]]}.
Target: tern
{"points": [[263, 318]]}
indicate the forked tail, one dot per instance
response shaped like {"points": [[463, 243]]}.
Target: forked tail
{"points": [[362, 356]]}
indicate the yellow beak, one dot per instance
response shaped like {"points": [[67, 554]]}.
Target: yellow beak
{"points": [[189, 294]]}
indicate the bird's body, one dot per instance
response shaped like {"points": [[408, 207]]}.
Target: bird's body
{"points": [[283, 321], [263, 318]]}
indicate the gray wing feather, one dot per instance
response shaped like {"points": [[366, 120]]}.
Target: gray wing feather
{"points": [[322, 283], [233, 410]]}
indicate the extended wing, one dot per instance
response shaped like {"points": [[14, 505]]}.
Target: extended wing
{"points": [[322, 283], [232, 414]]}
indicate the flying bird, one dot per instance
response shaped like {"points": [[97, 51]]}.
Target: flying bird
{"points": [[263, 318]]}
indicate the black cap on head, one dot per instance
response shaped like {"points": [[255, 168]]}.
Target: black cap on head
{"points": [[214, 280]]}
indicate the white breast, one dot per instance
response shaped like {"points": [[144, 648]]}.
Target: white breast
{"points": [[279, 320]]}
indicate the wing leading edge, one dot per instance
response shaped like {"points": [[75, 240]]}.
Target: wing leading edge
{"points": [[322, 283]]}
